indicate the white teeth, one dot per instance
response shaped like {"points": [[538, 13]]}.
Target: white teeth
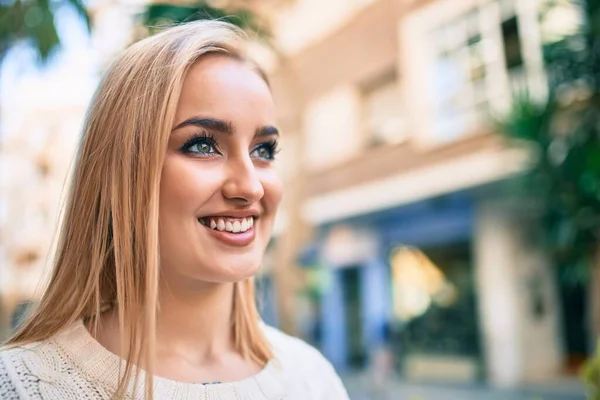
{"points": [[234, 226]]}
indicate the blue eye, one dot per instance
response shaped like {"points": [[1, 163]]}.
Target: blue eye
{"points": [[200, 145], [266, 151]]}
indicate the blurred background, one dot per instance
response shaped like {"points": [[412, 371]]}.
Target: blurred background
{"points": [[439, 236]]}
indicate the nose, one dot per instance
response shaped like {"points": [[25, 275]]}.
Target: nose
{"points": [[242, 184]]}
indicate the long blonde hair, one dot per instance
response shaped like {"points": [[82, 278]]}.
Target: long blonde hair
{"points": [[107, 250]]}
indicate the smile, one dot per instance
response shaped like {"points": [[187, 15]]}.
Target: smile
{"points": [[232, 231], [227, 224]]}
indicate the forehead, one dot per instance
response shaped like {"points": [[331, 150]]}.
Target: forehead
{"points": [[225, 87]]}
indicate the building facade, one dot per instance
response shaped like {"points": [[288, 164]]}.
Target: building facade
{"points": [[396, 189]]}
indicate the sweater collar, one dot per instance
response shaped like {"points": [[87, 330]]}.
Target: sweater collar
{"points": [[100, 365]]}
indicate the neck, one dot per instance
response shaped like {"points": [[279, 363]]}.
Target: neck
{"points": [[195, 321], [194, 335], [191, 323]]}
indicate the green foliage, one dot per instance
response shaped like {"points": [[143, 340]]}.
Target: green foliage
{"points": [[33, 21], [563, 133], [590, 375], [160, 15], [318, 280]]}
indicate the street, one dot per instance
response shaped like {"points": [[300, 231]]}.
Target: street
{"points": [[360, 387]]}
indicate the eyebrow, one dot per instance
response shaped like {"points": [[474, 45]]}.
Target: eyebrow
{"points": [[267, 131], [212, 124], [218, 125]]}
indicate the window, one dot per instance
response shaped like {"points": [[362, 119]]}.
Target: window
{"points": [[512, 43], [382, 111], [459, 72], [513, 54], [462, 61], [331, 128], [475, 58]]}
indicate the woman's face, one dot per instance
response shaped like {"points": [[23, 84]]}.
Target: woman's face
{"points": [[219, 188]]}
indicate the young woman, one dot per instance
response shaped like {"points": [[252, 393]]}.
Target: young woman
{"points": [[169, 214]]}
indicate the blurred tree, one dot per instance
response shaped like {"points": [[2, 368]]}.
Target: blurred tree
{"points": [[32, 21], [158, 15], [563, 133]]}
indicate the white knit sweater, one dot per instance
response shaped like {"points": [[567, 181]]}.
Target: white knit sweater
{"points": [[74, 366]]}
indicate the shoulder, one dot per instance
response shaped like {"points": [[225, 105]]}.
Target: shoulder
{"points": [[47, 369], [35, 357], [32, 355], [22, 366], [286, 347], [8, 384], [306, 366]]}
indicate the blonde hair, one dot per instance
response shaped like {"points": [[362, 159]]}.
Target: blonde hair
{"points": [[107, 250]]}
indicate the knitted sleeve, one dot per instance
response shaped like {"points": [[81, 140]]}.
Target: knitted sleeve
{"points": [[7, 388]]}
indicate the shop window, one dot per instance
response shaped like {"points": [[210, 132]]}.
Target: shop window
{"points": [[434, 300]]}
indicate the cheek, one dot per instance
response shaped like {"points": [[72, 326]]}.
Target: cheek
{"points": [[185, 187]]}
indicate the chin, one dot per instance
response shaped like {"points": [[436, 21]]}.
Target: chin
{"points": [[236, 271]]}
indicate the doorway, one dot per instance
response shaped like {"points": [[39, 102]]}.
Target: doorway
{"points": [[573, 301], [351, 294]]}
